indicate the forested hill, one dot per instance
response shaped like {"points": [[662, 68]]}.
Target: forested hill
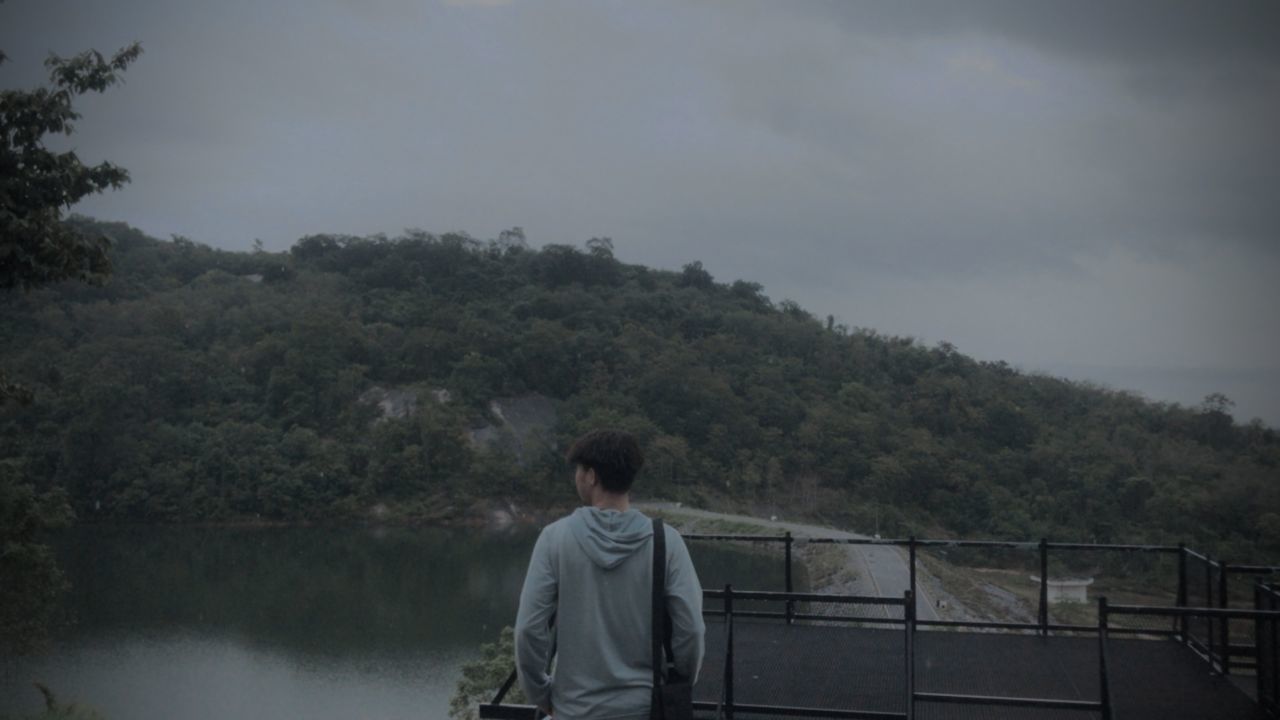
{"points": [[203, 385]]}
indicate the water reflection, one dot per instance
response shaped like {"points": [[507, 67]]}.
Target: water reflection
{"points": [[326, 591], [205, 623]]}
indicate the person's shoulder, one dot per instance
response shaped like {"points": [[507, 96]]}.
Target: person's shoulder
{"points": [[556, 528], [556, 525], [671, 534], [669, 530]]}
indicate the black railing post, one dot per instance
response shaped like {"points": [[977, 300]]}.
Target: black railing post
{"points": [[1104, 681], [1044, 587], [790, 605], [1259, 629], [728, 652], [909, 616], [1275, 653], [1182, 589], [911, 560], [1224, 603], [1208, 622]]}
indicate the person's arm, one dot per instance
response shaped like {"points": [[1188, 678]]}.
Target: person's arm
{"points": [[533, 633], [684, 604]]}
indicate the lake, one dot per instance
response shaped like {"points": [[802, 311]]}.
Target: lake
{"points": [[204, 623]]}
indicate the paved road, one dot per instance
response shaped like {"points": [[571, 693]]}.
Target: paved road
{"points": [[881, 570]]}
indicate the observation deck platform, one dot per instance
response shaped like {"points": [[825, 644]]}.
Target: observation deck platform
{"points": [[814, 655], [835, 667]]}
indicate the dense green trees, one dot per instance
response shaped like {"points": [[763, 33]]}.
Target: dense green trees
{"points": [[36, 249], [206, 385]]}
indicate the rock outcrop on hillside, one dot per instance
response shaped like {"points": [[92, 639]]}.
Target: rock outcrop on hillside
{"points": [[393, 403], [522, 425]]}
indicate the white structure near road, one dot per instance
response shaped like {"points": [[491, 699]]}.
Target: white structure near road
{"points": [[1067, 590]]}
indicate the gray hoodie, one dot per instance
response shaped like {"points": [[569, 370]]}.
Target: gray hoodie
{"points": [[587, 600]]}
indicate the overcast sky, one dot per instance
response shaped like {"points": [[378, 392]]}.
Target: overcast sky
{"points": [[1090, 189]]}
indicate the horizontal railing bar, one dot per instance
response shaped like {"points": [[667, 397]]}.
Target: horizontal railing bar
{"points": [[489, 711], [745, 613], [940, 623], [1134, 548], [1013, 544], [1252, 569], [796, 615], [1063, 627], [854, 541], [1113, 629], [801, 616], [745, 538], [840, 618], [803, 597], [1140, 631], [924, 542], [1046, 703], [975, 624], [793, 711], [1033, 626], [1192, 612]]}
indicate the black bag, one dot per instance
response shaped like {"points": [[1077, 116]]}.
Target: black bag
{"points": [[672, 694]]}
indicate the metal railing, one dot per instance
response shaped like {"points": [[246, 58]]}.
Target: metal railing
{"points": [[727, 706], [1237, 588], [1200, 617], [1264, 617], [1267, 598], [1201, 582]]}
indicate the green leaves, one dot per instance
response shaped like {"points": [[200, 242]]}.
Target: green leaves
{"points": [[481, 678], [30, 581], [90, 70], [37, 184]]}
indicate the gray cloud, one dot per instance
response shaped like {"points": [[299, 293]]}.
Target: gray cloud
{"points": [[1125, 32], [962, 108]]}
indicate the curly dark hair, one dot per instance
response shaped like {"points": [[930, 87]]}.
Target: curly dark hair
{"points": [[613, 454]]}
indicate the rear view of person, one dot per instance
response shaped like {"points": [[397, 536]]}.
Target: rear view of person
{"points": [[587, 594]]}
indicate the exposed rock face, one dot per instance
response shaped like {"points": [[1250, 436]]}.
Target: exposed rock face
{"points": [[521, 425], [393, 403], [399, 402], [524, 425], [502, 516]]}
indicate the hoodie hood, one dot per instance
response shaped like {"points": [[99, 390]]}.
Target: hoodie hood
{"points": [[608, 536]]}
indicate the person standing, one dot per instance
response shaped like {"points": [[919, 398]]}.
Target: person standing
{"points": [[587, 596]]}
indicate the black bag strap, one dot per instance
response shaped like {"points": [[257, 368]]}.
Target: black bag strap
{"points": [[659, 599]]}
